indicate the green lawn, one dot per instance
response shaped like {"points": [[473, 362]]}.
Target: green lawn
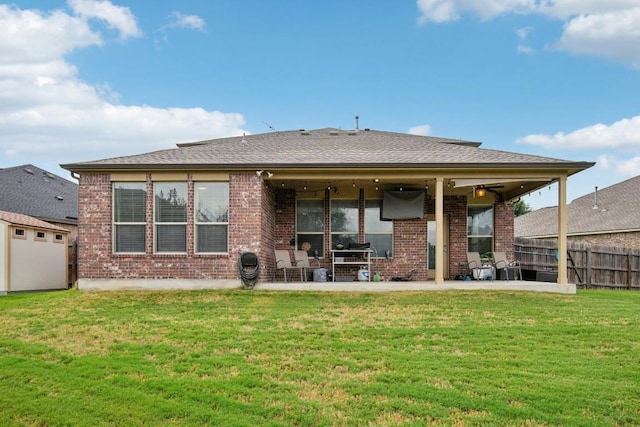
{"points": [[252, 358]]}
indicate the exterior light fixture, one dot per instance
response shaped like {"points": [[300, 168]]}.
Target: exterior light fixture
{"points": [[481, 191]]}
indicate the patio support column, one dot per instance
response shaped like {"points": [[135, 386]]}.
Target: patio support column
{"points": [[439, 278], [562, 231]]}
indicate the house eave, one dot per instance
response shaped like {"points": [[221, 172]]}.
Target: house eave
{"points": [[568, 167]]}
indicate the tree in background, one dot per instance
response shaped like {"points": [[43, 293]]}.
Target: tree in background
{"points": [[521, 208]]}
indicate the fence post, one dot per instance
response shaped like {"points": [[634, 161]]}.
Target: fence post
{"points": [[629, 261], [588, 268]]}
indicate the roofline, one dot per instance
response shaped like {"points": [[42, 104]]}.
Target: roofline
{"points": [[575, 166], [583, 233]]}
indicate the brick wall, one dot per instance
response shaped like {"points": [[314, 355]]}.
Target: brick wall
{"points": [[456, 209], [251, 224], [620, 240], [503, 228], [262, 218]]}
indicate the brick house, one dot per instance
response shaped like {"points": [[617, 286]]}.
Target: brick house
{"points": [[180, 217]]}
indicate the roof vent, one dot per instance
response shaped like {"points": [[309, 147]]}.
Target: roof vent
{"points": [[352, 133], [334, 133], [367, 129], [29, 171], [59, 197], [304, 133]]}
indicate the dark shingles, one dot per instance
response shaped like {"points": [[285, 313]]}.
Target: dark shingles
{"points": [[32, 191], [325, 148]]}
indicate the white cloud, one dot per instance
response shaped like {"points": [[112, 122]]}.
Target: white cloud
{"points": [[623, 134], [48, 114], [190, 22], [420, 130], [609, 29], [523, 34], [620, 167], [117, 17], [614, 35], [450, 10], [30, 37]]}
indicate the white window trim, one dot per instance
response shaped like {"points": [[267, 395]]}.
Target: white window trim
{"points": [[115, 224], [156, 223], [196, 223], [22, 236]]}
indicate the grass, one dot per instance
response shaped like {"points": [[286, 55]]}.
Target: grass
{"points": [[250, 358]]}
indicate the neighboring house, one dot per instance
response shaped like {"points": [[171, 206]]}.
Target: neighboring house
{"points": [[32, 191], [607, 217], [180, 217], [33, 254]]}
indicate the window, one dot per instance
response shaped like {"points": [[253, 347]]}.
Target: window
{"points": [[170, 205], [344, 222], [19, 233], [129, 202], [40, 236], [379, 233], [480, 229], [310, 226], [58, 238], [211, 216]]}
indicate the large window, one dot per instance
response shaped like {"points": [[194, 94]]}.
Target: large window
{"points": [[211, 212], [310, 226], [129, 202], [379, 233], [170, 216], [480, 229], [344, 222]]}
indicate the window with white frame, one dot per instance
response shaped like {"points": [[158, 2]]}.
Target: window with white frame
{"points": [[170, 214], [40, 236], [211, 211], [344, 222], [480, 229], [310, 226], [377, 232], [129, 219]]}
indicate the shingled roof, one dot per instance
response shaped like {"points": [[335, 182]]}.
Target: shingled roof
{"points": [[610, 210], [28, 221], [328, 148], [35, 192]]}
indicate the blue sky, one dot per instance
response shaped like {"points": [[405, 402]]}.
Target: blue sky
{"points": [[85, 79]]}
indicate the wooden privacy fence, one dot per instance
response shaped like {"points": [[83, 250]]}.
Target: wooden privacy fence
{"points": [[72, 268], [588, 266]]}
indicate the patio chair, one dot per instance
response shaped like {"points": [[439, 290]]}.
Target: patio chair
{"points": [[302, 261], [283, 262], [473, 265], [501, 262]]}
